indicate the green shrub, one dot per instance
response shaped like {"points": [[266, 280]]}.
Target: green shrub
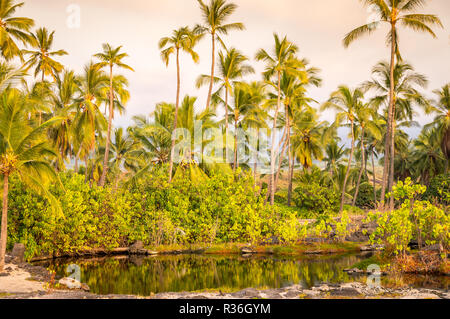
{"points": [[414, 219], [365, 199], [317, 199], [439, 190]]}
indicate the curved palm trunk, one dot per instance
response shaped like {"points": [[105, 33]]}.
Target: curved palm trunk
{"points": [[4, 229], [348, 170], [208, 101], [272, 151], [175, 120], [361, 171], [389, 157], [108, 136]]}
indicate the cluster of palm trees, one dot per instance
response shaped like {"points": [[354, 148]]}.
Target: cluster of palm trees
{"points": [[62, 118]]}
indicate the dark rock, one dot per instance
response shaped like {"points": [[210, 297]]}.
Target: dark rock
{"points": [[345, 292], [434, 248], [137, 248], [18, 253], [4, 274]]}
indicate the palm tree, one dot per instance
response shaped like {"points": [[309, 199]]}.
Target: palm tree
{"points": [[428, 158], [25, 152], [231, 68], [182, 39], [12, 29], [334, 156], [110, 57], [155, 137], [63, 106], [364, 116], [10, 76], [281, 61], [215, 16], [442, 120], [406, 95], [41, 58], [393, 13], [346, 102], [244, 113], [309, 136], [124, 154], [89, 121]]}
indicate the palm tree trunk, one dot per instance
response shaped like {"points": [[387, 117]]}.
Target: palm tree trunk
{"points": [[86, 174], [235, 141], [291, 168], [283, 152], [374, 181], [361, 171], [391, 174], [272, 151], [255, 165], [108, 136], [348, 170], [4, 230], [389, 157], [175, 120], [208, 101], [282, 143], [226, 122]]}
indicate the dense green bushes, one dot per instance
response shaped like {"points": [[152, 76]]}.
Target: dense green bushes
{"points": [[439, 190], [219, 209], [316, 198], [428, 223]]}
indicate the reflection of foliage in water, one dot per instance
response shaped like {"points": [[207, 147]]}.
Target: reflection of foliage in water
{"points": [[142, 276]]}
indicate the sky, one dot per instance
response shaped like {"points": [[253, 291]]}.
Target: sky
{"points": [[317, 27]]}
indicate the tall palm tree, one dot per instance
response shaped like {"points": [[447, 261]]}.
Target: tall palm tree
{"points": [[281, 61], [23, 151], [394, 13], [183, 39], [110, 57], [406, 95], [232, 67], [12, 29], [42, 57], [442, 120], [346, 102], [215, 16]]}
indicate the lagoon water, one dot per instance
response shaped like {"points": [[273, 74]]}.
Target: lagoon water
{"points": [[143, 276]]}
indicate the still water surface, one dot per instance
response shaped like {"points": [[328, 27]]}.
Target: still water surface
{"points": [[146, 275]]}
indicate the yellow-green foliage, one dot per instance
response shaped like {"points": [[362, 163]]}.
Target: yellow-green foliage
{"points": [[218, 210], [414, 219]]}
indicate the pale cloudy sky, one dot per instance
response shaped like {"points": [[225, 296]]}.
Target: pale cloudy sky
{"points": [[317, 27]]}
